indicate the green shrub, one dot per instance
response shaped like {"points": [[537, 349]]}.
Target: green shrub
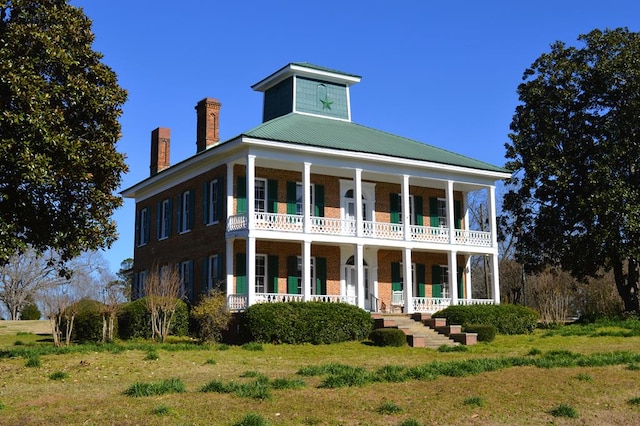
{"points": [[211, 316], [388, 337], [486, 332], [30, 311], [507, 318], [306, 322], [87, 323], [134, 320]]}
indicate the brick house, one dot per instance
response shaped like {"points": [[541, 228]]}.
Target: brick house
{"points": [[270, 215]]}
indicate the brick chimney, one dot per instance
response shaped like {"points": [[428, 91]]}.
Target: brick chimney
{"points": [[160, 139], [208, 111]]}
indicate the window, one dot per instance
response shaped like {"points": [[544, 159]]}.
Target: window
{"points": [[142, 227], [300, 195], [261, 273], [164, 219], [261, 195], [186, 278], [139, 283], [411, 209], [214, 273], [313, 274], [444, 280], [442, 212], [212, 213], [185, 211]]}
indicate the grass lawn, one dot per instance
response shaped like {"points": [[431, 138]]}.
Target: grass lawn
{"points": [[97, 385]]}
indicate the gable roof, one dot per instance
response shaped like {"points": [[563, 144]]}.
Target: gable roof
{"points": [[301, 129]]}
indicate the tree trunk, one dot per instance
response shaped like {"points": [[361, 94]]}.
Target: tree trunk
{"points": [[627, 284]]}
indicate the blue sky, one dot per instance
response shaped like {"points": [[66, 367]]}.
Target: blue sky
{"points": [[443, 73]]}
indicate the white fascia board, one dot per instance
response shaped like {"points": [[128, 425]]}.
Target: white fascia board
{"points": [[399, 164], [302, 71]]}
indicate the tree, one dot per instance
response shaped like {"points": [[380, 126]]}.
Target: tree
{"points": [[161, 290], [24, 277], [59, 110], [575, 151]]}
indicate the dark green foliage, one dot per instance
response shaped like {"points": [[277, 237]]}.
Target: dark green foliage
{"points": [[634, 401], [486, 332], [306, 322], [602, 327], [564, 410], [575, 191], [30, 312], [456, 348], [252, 346], [58, 375], [151, 356], [33, 361], [252, 419], [87, 324], [388, 407], [508, 319], [410, 422], [134, 320], [283, 383], [211, 361], [388, 337], [139, 389], [392, 374], [257, 389], [59, 111], [18, 343]]}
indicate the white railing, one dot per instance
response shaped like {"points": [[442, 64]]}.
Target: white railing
{"points": [[347, 227], [277, 297], [429, 233], [237, 302], [278, 222], [331, 298], [473, 238], [430, 304], [476, 302]]}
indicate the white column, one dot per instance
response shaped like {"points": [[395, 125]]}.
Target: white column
{"points": [[228, 257], [230, 210], [251, 270], [306, 197], [358, 200], [491, 206], [467, 278], [408, 281], [251, 194], [306, 271], [453, 277], [495, 280], [359, 265], [450, 215], [406, 211]]}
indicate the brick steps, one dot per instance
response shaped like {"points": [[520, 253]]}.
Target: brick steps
{"points": [[422, 331]]}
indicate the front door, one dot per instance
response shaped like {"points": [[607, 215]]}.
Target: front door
{"points": [[352, 283]]}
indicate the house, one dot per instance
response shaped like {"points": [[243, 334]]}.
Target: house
{"points": [[309, 206]]}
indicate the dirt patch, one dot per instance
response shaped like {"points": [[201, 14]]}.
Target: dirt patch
{"points": [[27, 326]]}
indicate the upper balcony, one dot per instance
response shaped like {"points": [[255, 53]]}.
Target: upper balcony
{"points": [[347, 228]]}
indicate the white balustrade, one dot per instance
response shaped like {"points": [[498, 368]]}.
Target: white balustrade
{"points": [[278, 222], [473, 238], [237, 222], [332, 226], [237, 302], [430, 304], [431, 234], [385, 230], [476, 302]]}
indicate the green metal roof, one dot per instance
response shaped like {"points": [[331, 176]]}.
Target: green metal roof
{"points": [[321, 132]]}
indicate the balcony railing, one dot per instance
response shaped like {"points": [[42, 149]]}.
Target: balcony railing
{"points": [[347, 227]]}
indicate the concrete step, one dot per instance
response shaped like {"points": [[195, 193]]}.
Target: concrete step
{"points": [[418, 334]]}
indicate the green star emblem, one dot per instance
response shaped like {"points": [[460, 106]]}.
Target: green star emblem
{"points": [[326, 103]]}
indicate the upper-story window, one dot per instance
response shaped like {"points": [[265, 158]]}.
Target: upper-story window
{"points": [[212, 202], [164, 219], [442, 212], [300, 196], [142, 227], [185, 211], [261, 195], [412, 209]]}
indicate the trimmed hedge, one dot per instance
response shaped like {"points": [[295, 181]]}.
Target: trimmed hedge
{"points": [[486, 332], [305, 322], [87, 324], [134, 320], [388, 337], [508, 319]]}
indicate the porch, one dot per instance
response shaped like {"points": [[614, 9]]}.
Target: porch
{"points": [[347, 228], [429, 305]]}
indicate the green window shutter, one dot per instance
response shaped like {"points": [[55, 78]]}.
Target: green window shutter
{"points": [[158, 219], [221, 199], [396, 281], [319, 201], [272, 265], [436, 280], [192, 208], [433, 212], [205, 202], [321, 275], [394, 207], [457, 213], [241, 273], [291, 198], [242, 194], [272, 196], [420, 277], [418, 206], [461, 283], [292, 274], [205, 275], [179, 210]]}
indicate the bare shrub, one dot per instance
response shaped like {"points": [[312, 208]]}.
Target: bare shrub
{"points": [[162, 291]]}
